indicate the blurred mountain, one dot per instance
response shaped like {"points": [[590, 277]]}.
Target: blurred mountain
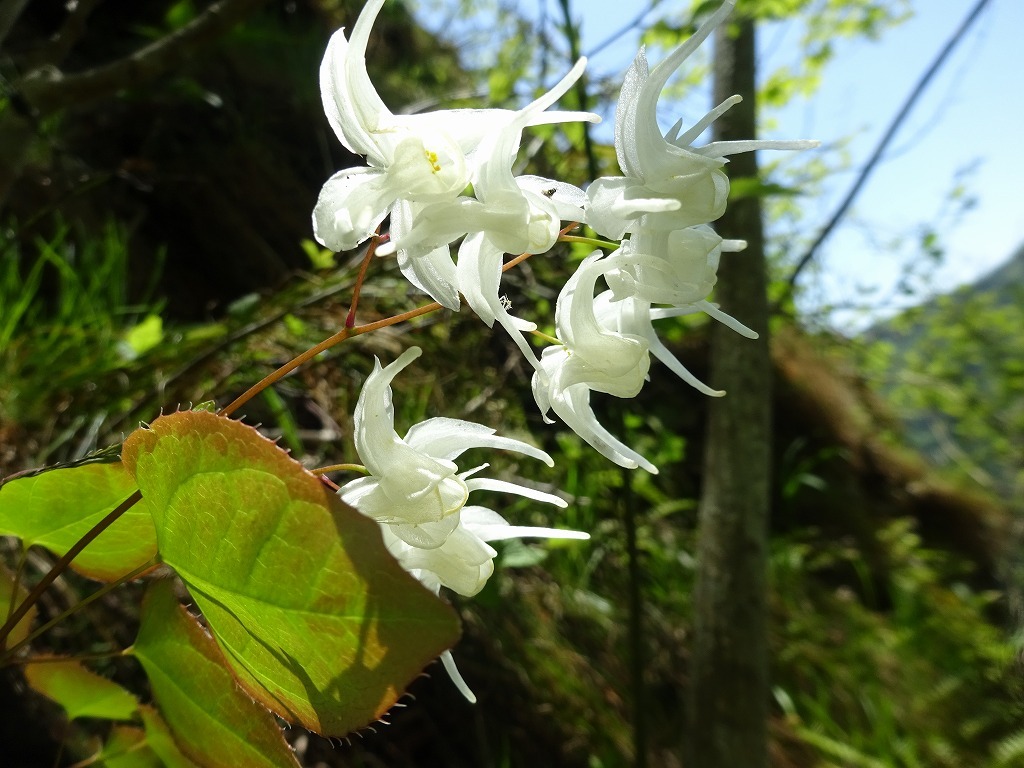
{"points": [[953, 368]]}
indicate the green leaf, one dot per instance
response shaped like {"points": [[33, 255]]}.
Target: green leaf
{"points": [[320, 258], [126, 747], [746, 187], [316, 619], [161, 740], [55, 509], [143, 337], [81, 692], [22, 628], [213, 722]]}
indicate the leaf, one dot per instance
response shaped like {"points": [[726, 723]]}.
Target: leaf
{"points": [[746, 187], [316, 619], [126, 747], [23, 627], [161, 740], [81, 692], [56, 508], [143, 337], [213, 722], [110, 454]]}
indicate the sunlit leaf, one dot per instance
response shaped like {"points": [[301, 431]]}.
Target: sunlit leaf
{"points": [[55, 509], [316, 619], [161, 740], [81, 692], [22, 628], [127, 747], [143, 337], [213, 722]]}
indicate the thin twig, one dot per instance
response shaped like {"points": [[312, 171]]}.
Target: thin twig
{"points": [[323, 346], [61, 565], [876, 155], [10, 11], [614, 36], [10, 652], [48, 94], [71, 31], [350, 319]]}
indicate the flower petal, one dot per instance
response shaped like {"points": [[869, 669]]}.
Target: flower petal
{"points": [[450, 438], [351, 103], [351, 205]]}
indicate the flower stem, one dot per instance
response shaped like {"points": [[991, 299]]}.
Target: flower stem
{"points": [[350, 319], [547, 338], [61, 565], [8, 655], [340, 468], [323, 346], [596, 242]]}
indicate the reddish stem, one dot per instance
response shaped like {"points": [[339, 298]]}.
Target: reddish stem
{"points": [[350, 320]]}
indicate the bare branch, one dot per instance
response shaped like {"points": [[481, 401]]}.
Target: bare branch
{"points": [[70, 32], [50, 94], [10, 11], [876, 156]]}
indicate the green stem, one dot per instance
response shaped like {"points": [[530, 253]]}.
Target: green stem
{"points": [[597, 243], [99, 656], [341, 468], [546, 337]]}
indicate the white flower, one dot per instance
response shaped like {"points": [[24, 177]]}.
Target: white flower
{"points": [[592, 357], [518, 215], [416, 162], [510, 215], [667, 184], [676, 268], [415, 491]]}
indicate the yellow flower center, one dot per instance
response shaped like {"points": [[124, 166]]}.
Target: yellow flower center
{"points": [[432, 159]]}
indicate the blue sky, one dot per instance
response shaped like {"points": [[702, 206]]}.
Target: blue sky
{"points": [[971, 117]]}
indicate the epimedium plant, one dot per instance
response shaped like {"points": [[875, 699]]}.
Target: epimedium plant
{"points": [[319, 604]]}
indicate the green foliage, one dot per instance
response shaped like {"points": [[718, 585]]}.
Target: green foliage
{"points": [[82, 693], [69, 333], [916, 676], [952, 369], [161, 740], [126, 747], [298, 589], [214, 723], [55, 509]]}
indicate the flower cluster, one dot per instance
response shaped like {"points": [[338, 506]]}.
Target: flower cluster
{"points": [[416, 492], [447, 175], [420, 169]]}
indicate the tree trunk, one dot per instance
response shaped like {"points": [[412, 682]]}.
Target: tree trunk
{"points": [[729, 663]]}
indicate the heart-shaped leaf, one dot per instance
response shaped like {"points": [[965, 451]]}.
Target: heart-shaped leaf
{"points": [[81, 692], [54, 509], [213, 722], [316, 619]]}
